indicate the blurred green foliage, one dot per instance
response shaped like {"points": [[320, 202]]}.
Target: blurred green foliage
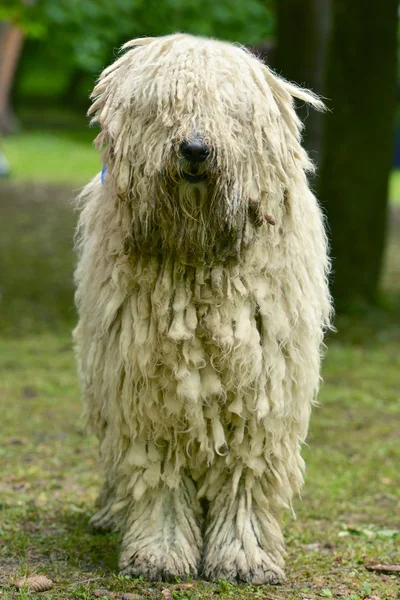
{"points": [[84, 32]]}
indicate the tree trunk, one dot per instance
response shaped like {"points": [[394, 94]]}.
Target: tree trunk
{"points": [[358, 144], [303, 33], [11, 39]]}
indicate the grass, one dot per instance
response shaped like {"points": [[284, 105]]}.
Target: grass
{"points": [[347, 519], [59, 156], [394, 187], [36, 257]]}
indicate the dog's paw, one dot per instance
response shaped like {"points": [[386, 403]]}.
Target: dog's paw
{"points": [[264, 573], [157, 565], [239, 568]]}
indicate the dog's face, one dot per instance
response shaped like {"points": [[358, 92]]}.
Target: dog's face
{"points": [[200, 140]]}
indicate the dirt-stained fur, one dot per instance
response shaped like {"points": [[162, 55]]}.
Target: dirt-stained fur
{"points": [[203, 298]]}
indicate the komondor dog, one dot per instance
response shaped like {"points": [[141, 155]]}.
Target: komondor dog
{"points": [[203, 299]]}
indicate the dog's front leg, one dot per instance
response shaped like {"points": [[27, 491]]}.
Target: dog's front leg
{"points": [[243, 540], [161, 534]]}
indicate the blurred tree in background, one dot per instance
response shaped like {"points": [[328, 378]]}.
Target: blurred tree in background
{"points": [[346, 51], [11, 39], [303, 30], [357, 147]]}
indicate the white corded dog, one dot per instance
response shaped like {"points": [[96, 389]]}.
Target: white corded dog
{"points": [[203, 298]]}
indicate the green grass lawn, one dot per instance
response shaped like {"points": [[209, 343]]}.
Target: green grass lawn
{"points": [[49, 156], [347, 519], [394, 187]]}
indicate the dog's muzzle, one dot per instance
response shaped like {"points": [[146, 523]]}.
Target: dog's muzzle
{"points": [[195, 150], [194, 153]]}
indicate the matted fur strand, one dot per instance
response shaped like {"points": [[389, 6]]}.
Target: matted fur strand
{"points": [[203, 298]]}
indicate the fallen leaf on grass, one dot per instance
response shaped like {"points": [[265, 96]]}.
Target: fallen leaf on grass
{"points": [[36, 583], [181, 586], [29, 392], [356, 531], [103, 593], [23, 486], [18, 441], [76, 509], [371, 531], [385, 480], [341, 590], [383, 568], [316, 546], [167, 594]]}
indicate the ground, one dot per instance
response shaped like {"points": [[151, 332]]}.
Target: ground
{"points": [[347, 520]]}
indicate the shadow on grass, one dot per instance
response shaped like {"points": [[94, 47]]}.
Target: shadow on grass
{"points": [[88, 549], [61, 541]]}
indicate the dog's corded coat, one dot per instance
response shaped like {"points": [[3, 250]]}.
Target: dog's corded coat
{"points": [[202, 308]]}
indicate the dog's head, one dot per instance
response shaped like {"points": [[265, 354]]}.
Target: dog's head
{"points": [[201, 139]]}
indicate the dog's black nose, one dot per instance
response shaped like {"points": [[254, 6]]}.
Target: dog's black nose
{"points": [[194, 150]]}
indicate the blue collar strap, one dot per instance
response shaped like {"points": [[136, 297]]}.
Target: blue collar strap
{"points": [[103, 172]]}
